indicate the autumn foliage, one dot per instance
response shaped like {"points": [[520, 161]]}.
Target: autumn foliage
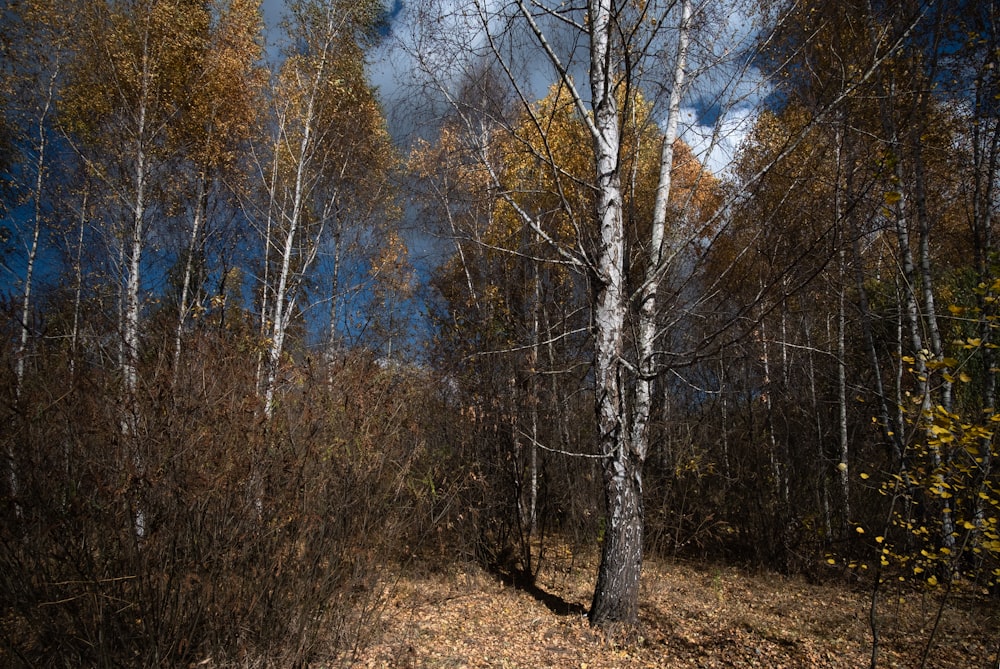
{"points": [[264, 366]]}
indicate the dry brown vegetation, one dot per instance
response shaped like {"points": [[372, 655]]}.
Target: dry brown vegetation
{"points": [[692, 615], [357, 478]]}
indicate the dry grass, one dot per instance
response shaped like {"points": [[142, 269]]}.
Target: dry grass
{"points": [[692, 616]]}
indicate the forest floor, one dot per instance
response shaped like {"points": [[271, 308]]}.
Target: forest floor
{"points": [[692, 615]]}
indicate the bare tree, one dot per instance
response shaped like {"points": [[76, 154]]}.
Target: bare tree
{"points": [[640, 264], [624, 46]]}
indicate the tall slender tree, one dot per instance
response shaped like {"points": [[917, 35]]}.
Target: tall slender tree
{"points": [[326, 132], [643, 286], [598, 242], [220, 116], [136, 68], [35, 49]]}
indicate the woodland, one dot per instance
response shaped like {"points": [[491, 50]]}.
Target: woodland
{"points": [[622, 333]]}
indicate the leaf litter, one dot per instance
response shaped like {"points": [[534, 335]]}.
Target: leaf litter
{"points": [[691, 615]]}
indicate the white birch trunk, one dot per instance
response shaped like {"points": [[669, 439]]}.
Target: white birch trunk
{"points": [[196, 225], [282, 309], [284, 299], [130, 326], [624, 434], [77, 287], [131, 303], [915, 323], [648, 308], [22, 344], [536, 308], [334, 296], [844, 467], [266, 279], [616, 595], [823, 491], [776, 464], [986, 157]]}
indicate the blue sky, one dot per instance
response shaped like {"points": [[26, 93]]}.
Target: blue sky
{"points": [[720, 107], [272, 12]]}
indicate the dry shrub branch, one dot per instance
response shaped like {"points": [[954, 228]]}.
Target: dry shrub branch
{"points": [[263, 542]]}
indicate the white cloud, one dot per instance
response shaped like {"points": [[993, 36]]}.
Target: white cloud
{"points": [[716, 145], [722, 100]]}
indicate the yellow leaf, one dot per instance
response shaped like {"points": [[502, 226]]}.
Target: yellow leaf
{"points": [[859, 530], [932, 580], [864, 476], [879, 540]]}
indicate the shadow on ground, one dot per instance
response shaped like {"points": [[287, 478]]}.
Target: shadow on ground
{"points": [[518, 579]]}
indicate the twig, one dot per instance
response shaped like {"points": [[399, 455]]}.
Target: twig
{"points": [[542, 446]]}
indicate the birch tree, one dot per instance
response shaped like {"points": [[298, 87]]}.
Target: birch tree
{"points": [[219, 120], [130, 83], [616, 38], [132, 80], [35, 47], [326, 129], [640, 330]]}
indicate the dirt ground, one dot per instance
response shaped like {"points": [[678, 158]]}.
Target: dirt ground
{"points": [[691, 616]]}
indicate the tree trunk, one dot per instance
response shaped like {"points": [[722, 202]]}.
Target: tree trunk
{"points": [[822, 482], [200, 210], [986, 157], [26, 306], [648, 308], [844, 467], [130, 315], [625, 434], [131, 306], [616, 595], [534, 400], [288, 280], [74, 336]]}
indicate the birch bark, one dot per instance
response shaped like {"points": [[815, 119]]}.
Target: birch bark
{"points": [[616, 595], [284, 293]]}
